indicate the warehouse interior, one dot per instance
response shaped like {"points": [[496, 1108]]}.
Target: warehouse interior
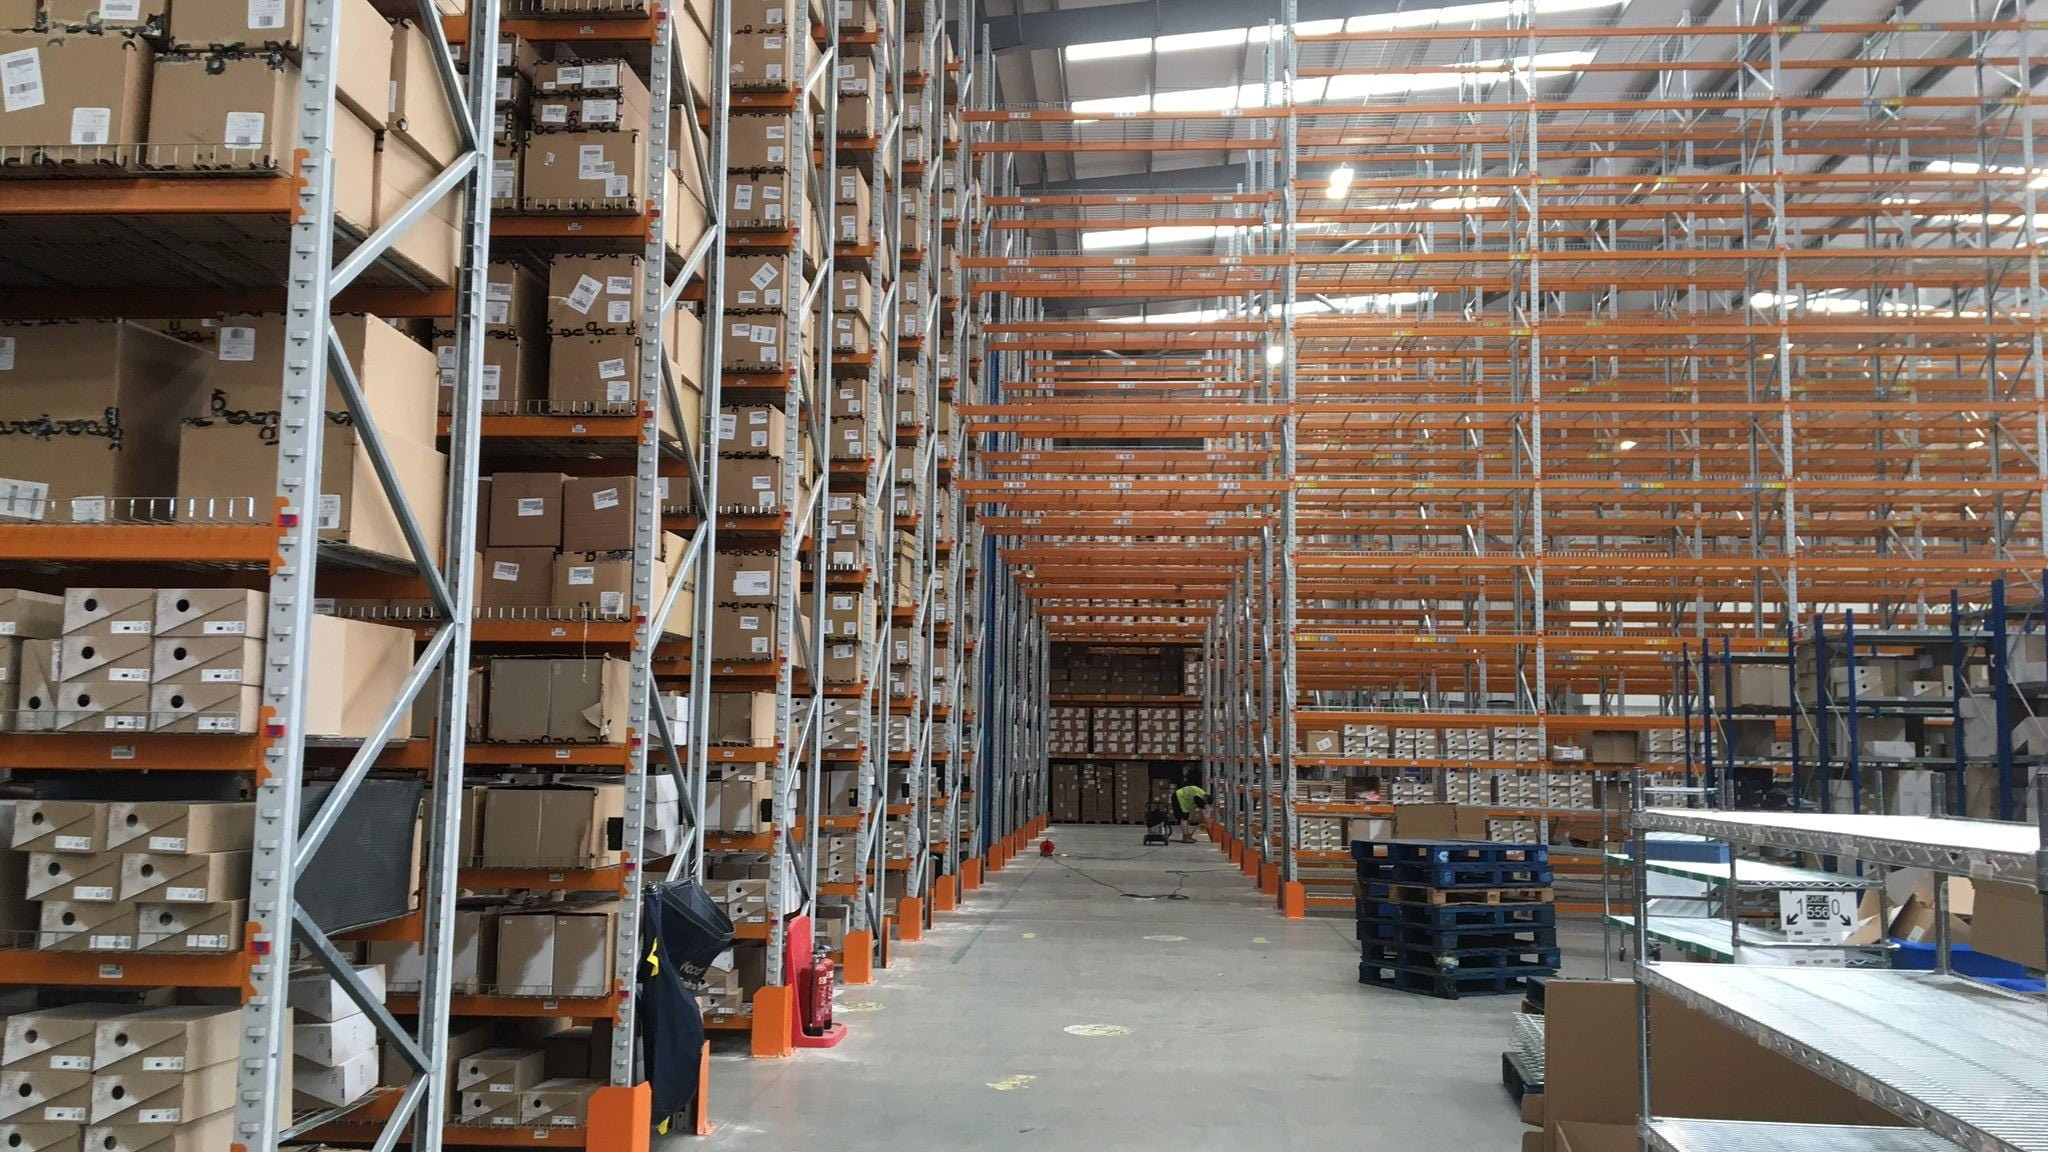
{"points": [[626, 575]]}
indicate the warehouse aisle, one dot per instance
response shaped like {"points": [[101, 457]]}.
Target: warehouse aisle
{"points": [[1232, 1029]]}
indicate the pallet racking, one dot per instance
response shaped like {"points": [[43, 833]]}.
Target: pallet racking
{"points": [[1528, 351]]}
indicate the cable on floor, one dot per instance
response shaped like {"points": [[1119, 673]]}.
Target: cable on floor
{"points": [[1176, 894]]}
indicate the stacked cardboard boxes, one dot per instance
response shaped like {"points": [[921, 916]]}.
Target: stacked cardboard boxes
{"points": [[129, 876], [117, 1076], [334, 1045], [575, 700]]}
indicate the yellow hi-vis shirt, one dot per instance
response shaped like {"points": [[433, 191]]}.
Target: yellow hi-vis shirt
{"points": [[1186, 797]]}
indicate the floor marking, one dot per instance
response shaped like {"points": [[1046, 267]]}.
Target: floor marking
{"points": [[1167, 939], [857, 1006], [1031, 935], [1260, 940], [1011, 1083], [1096, 1030]]}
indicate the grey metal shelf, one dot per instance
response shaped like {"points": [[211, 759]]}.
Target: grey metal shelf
{"points": [[1960, 1058], [1746, 1136], [1755, 875], [1981, 848], [1707, 937]]}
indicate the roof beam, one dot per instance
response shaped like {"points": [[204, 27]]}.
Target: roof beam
{"points": [[1136, 18]]}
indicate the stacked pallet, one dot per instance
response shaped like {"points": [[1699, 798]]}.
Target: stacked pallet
{"points": [[1453, 917]]}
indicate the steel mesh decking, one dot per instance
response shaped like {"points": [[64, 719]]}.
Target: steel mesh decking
{"points": [[1741, 1136]]}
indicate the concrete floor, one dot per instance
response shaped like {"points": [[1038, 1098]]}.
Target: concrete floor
{"points": [[1239, 1029]]}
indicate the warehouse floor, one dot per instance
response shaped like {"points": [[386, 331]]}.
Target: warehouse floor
{"points": [[1229, 1028]]}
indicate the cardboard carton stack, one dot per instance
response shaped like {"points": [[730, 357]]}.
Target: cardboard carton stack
{"points": [[1467, 744], [135, 877], [1573, 789], [558, 546], [334, 1045], [1515, 789], [729, 987], [30, 624], [1414, 744], [1469, 785], [1411, 790], [116, 1076], [563, 825], [557, 950], [1159, 731], [1519, 743], [1113, 731], [1366, 741]]}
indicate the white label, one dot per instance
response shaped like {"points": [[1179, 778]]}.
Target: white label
{"points": [[764, 333], [600, 111], [618, 392], [129, 627], [760, 644], [750, 623], [618, 285], [185, 895], [266, 13], [498, 290], [97, 893], [6, 353], [584, 294], [159, 1115], [532, 506], [244, 130], [590, 162], [504, 570], [618, 311], [764, 275], [728, 427], [503, 175], [762, 483], [554, 113], [617, 186], [601, 76], [504, 90], [166, 843], [21, 80], [224, 628], [604, 498], [111, 971], [1816, 917], [88, 509], [71, 1063], [571, 77], [218, 724], [752, 584], [497, 312], [220, 676], [77, 1115], [73, 843], [330, 510], [208, 941], [129, 722], [163, 1063], [742, 196], [611, 603], [120, 10], [91, 125], [609, 369], [490, 382], [582, 574], [128, 675]]}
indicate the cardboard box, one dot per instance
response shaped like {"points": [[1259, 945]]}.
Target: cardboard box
{"points": [[597, 513], [746, 633], [230, 469], [223, 112], [2005, 921], [588, 700], [595, 583], [526, 509], [583, 950], [89, 877], [32, 1136], [859, 113], [592, 95], [763, 61], [316, 1085], [71, 373], [191, 878], [501, 1069], [594, 295], [199, 660], [594, 373], [760, 201], [165, 1097], [55, 1039], [80, 926], [746, 578], [94, 657], [119, 611], [741, 804], [1439, 822], [328, 1043], [316, 996], [38, 1095], [420, 115], [552, 827], [99, 706], [355, 674], [746, 719], [758, 142], [31, 614], [431, 247], [476, 936], [201, 1135], [519, 692], [75, 826], [146, 15], [518, 578], [190, 927], [584, 171], [185, 706], [526, 958], [557, 1103], [91, 94], [396, 374]]}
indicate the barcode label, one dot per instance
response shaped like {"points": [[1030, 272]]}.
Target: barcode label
{"points": [[91, 125], [224, 628], [244, 129], [220, 676], [166, 843], [504, 570], [21, 80], [584, 294]]}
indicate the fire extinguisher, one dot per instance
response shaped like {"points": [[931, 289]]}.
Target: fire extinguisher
{"points": [[818, 994]]}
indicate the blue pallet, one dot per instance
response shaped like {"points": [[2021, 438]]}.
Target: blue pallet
{"points": [[1459, 915], [1918, 956], [1512, 958], [1447, 985], [1444, 940], [1447, 852], [1456, 875]]}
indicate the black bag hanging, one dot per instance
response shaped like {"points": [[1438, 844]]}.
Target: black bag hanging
{"points": [[683, 931]]}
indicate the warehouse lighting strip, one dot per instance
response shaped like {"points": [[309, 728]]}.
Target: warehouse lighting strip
{"points": [[1330, 89], [1455, 14]]}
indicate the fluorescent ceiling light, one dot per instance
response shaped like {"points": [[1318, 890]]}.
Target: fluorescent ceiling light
{"points": [[1340, 181], [1624, 445], [1316, 89], [1454, 14]]}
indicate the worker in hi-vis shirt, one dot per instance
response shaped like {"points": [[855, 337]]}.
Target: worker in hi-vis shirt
{"points": [[1191, 803]]}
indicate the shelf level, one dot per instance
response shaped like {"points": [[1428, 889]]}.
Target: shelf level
{"points": [[1745, 1136], [1979, 848]]}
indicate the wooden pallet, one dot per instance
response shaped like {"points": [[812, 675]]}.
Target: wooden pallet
{"points": [[1417, 894]]}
